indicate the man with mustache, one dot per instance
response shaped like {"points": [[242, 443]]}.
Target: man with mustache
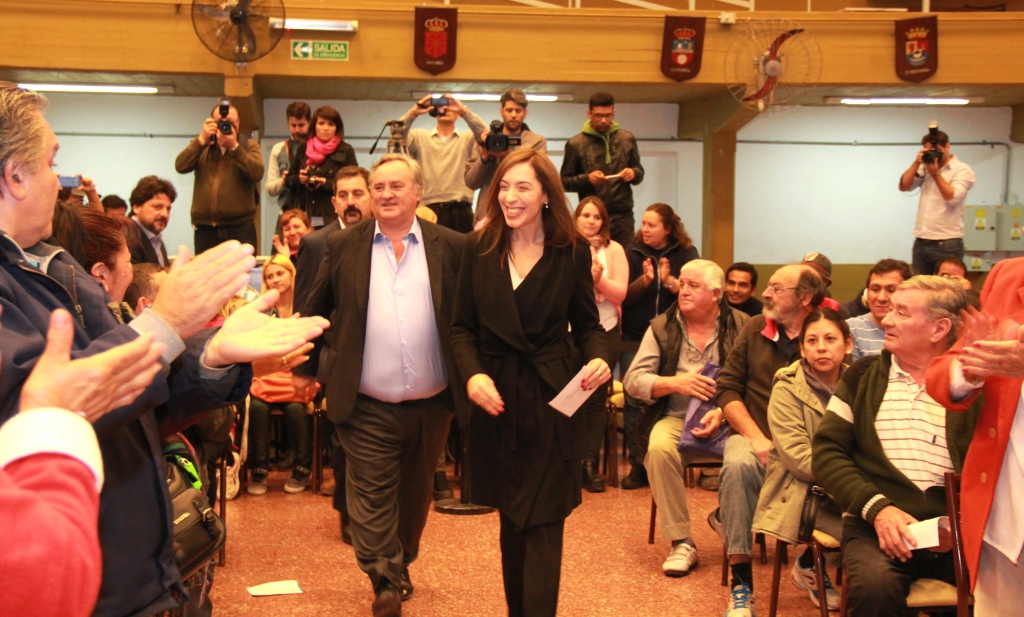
{"points": [[767, 343], [352, 204], [151, 201]]}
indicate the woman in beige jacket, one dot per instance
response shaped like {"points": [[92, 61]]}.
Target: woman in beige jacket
{"points": [[798, 402]]}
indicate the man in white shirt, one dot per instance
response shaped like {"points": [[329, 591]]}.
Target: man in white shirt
{"points": [[944, 182]]}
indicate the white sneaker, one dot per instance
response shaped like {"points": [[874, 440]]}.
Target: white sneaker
{"points": [[805, 580], [680, 561], [741, 601]]}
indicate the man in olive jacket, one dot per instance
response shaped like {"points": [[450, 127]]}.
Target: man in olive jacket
{"points": [[884, 445], [228, 170]]}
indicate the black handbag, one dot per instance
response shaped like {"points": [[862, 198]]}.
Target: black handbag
{"points": [[198, 532]]}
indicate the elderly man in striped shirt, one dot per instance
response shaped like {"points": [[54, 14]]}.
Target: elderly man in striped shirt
{"points": [[885, 444]]}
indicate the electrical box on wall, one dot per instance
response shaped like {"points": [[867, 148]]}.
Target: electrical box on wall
{"points": [[1009, 235], [980, 224]]}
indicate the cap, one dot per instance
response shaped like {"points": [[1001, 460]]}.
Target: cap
{"points": [[515, 95], [822, 264]]}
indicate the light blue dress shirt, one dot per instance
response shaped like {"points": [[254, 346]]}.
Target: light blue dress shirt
{"points": [[402, 358]]}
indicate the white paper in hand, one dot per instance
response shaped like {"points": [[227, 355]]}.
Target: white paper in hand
{"points": [[925, 532], [276, 588], [572, 395]]}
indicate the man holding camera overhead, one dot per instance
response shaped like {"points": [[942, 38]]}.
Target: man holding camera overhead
{"points": [[944, 181], [503, 137], [442, 153], [228, 169]]}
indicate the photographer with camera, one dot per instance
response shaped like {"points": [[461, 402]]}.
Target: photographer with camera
{"points": [[504, 136], [442, 154], [310, 180], [228, 168], [944, 181]]}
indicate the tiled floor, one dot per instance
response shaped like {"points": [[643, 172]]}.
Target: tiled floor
{"points": [[608, 567]]}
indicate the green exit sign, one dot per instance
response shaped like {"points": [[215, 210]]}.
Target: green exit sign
{"points": [[320, 50]]}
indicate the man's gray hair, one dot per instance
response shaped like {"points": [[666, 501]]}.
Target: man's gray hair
{"points": [[946, 299], [414, 167], [22, 128], [708, 271]]}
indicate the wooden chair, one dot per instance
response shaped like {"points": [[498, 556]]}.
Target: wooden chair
{"points": [[616, 400], [930, 595], [820, 543]]}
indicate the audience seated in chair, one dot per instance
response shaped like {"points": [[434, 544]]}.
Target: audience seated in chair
{"points": [[799, 398], [665, 375], [884, 447]]}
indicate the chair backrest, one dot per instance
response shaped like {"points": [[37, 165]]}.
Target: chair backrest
{"points": [[963, 581]]}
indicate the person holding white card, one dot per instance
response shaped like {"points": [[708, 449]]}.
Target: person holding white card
{"points": [[884, 447], [666, 374], [525, 277]]}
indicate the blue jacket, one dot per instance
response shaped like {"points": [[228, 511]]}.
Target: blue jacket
{"points": [[139, 572]]}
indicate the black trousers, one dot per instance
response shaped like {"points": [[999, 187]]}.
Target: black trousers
{"points": [[531, 567], [457, 215], [879, 585], [209, 236], [391, 451], [622, 228]]}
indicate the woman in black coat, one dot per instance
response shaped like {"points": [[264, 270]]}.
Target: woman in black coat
{"points": [[310, 179], [524, 279]]}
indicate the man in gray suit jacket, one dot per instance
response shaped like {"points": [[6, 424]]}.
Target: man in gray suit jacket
{"points": [[391, 381]]}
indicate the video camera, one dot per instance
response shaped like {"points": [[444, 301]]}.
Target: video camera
{"points": [[499, 142], [933, 154]]}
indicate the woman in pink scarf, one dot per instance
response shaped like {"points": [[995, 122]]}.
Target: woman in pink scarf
{"points": [[310, 179]]}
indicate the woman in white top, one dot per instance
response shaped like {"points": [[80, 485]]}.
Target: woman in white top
{"points": [[611, 279]]}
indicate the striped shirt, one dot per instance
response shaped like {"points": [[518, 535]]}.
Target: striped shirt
{"points": [[912, 429], [868, 337]]}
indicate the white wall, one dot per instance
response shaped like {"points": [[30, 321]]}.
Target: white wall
{"points": [[790, 198], [842, 200]]}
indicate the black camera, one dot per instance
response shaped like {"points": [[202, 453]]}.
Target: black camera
{"points": [[437, 103], [313, 180], [499, 142], [224, 125], [933, 154]]}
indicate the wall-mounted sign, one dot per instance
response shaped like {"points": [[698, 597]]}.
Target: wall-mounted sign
{"points": [[434, 47], [917, 48], [319, 50], [682, 47]]}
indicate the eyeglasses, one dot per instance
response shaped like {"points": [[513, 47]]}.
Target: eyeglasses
{"points": [[778, 289]]}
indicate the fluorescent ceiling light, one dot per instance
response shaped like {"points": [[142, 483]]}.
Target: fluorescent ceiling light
{"points": [[98, 88], [324, 25], [494, 97], [833, 100]]}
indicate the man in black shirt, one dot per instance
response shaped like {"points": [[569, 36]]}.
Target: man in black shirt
{"points": [[741, 288]]}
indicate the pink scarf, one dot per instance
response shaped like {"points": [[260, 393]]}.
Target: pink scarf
{"points": [[317, 151]]}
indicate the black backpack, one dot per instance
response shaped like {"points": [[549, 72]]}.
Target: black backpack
{"points": [[198, 532]]}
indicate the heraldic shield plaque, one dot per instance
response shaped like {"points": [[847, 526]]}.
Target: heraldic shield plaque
{"points": [[435, 39], [682, 47], [917, 48]]}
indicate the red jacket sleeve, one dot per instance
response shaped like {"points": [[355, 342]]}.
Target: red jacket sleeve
{"points": [[50, 562]]}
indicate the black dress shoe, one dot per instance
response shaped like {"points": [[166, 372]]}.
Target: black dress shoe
{"points": [[441, 488], [637, 478], [388, 602], [405, 589], [346, 529], [592, 481]]}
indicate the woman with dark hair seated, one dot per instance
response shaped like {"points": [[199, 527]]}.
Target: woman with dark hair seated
{"points": [[796, 408], [310, 180]]}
